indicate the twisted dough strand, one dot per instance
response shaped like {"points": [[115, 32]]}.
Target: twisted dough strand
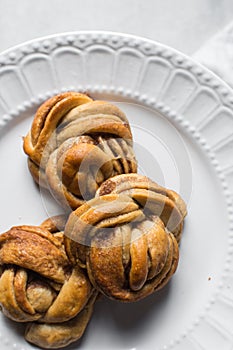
{"points": [[75, 144], [165, 203], [47, 118], [58, 335], [38, 283], [128, 253]]}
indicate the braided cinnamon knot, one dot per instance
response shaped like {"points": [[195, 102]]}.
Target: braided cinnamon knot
{"points": [[75, 144], [39, 284], [127, 251], [170, 207]]}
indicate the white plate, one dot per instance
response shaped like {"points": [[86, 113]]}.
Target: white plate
{"points": [[182, 122]]}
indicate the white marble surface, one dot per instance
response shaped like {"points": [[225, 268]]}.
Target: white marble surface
{"points": [[182, 24]]}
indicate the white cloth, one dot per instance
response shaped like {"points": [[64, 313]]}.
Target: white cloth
{"points": [[217, 54]]}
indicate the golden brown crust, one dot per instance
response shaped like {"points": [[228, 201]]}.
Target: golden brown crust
{"points": [[36, 249], [67, 175], [125, 182], [47, 118], [71, 299], [75, 144], [107, 273], [128, 254], [9, 304], [53, 336], [55, 224], [38, 282], [165, 203]]}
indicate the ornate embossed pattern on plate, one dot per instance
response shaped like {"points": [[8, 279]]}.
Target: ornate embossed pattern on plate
{"points": [[158, 77]]}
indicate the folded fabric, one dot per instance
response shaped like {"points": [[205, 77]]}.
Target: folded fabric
{"points": [[217, 54]]}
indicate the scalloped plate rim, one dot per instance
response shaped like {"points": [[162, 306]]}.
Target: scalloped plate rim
{"points": [[122, 35]]}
